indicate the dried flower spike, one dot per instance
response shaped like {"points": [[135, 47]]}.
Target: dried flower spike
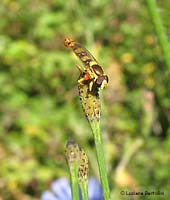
{"points": [[72, 152], [90, 103], [76, 154], [83, 167]]}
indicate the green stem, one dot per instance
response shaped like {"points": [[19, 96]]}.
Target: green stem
{"points": [[74, 181], [159, 30], [84, 190], [95, 125]]}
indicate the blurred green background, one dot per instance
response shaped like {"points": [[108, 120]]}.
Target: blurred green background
{"points": [[39, 103]]}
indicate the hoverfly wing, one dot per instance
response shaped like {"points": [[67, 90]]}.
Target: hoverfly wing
{"points": [[84, 55]]}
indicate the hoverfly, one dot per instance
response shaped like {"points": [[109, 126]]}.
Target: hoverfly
{"points": [[92, 73]]}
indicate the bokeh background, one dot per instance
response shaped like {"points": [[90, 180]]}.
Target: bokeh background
{"points": [[39, 103]]}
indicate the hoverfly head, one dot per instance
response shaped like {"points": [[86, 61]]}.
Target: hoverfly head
{"points": [[102, 81]]}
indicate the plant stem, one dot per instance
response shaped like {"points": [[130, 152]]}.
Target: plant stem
{"points": [[159, 30], [74, 181], [84, 190], [128, 154], [95, 125]]}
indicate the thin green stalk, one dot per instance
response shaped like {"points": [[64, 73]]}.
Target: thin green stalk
{"points": [[152, 7], [72, 156], [83, 174], [74, 182], [84, 190], [95, 125]]}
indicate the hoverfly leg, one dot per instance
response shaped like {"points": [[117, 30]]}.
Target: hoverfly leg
{"points": [[91, 86], [80, 81]]}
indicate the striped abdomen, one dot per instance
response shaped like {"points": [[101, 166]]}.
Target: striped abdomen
{"points": [[81, 52]]}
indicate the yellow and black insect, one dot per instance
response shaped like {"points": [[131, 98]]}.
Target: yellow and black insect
{"points": [[92, 73]]}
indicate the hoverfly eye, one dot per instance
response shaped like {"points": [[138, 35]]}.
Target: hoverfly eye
{"points": [[106, 78], [97, 69], [102, 81], [99, 80]]}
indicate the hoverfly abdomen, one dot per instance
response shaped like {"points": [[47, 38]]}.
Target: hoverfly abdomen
{"points": [[78, 50], [82, 54]]}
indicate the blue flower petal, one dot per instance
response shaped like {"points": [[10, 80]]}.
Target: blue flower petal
{"points": [[94, 190], [47, 195], [61, 188]]}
